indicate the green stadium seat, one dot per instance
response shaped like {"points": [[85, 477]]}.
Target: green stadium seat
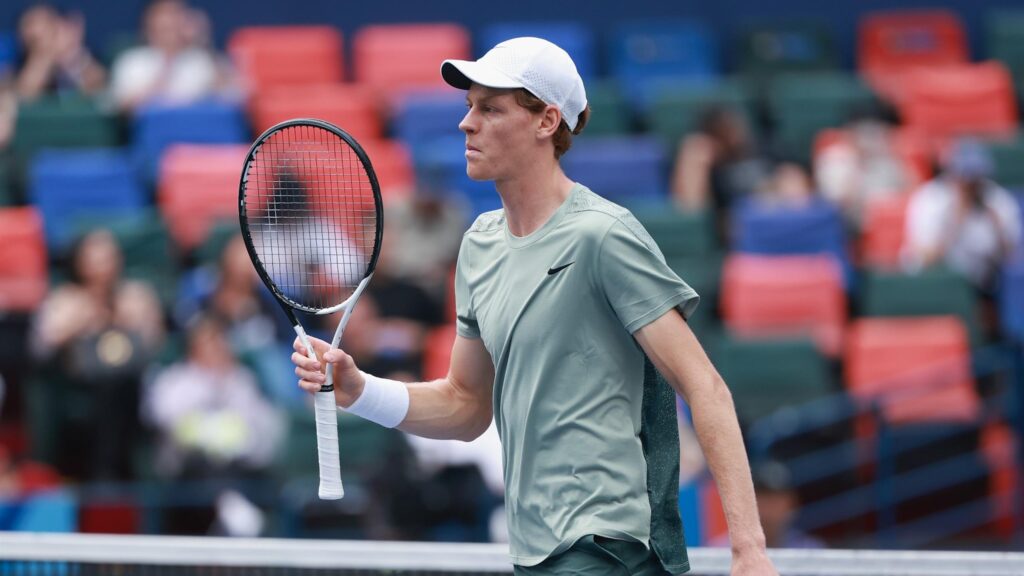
{"points": [[768, 375], [63, 123], [1008, 157], [680, 233], [703, 274], [676, 110], [769, 48], [1004, 35], [933, 292], [7, 197], [610, 114], [801, 105]]}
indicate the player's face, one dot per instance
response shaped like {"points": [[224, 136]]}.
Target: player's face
{"points": [[500, 134]]}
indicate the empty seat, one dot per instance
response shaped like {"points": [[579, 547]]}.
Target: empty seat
{"points": [[392, 163], [645, 56], [198, 186], [894, 42], [576, 38], [422, 117], [352, 108], [437, 351], [1011, 299], [769, 48], [157, 127], [71, 185], [767, 375], [933, 292], [918, 369], [881, 240], [269, 56], [677, 110], [610, 113], [1004, 40], [442, 168], [1009, 170], [972, 99], [23, 275], [395, 58], [678, 233], [785, 296], [627, 170]]}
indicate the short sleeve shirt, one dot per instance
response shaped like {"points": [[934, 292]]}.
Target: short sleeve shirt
{"points": [[557, 310]]}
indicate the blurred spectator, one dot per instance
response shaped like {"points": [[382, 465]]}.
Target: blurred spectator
{"points": [[860, 166], [54, 57], [717, 164], [8, 112], [98, 332], [788, 184], [212, 424], [963, 219], [423, 237], [174, 66]]}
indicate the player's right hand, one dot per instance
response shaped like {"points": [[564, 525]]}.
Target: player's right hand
{"points": [[347, 379]]}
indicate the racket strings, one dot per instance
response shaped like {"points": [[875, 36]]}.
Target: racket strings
{"points": [[312, 213]]}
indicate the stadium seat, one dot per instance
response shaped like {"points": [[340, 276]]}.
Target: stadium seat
{"points": [[972, 99], [396, 58], [934, 292], [891, 43], [676, 111], [270, 56], [7, 197], [703, 273], [610, 113], [1004, 35], [803, 104], [8, 52], [769, 48], [352, 108], [910, 146], [422, 117], [678, 233], [392, 163], [574, 37], [918, 369], [1009, 170], [767, 375], [442, 168], [785, 296], [154, 128], [817, 228], [646, 56], [23, 276], [71, 185], [881, 240], [437, 351], [628, 170], [198, 186], [1011, 302]]}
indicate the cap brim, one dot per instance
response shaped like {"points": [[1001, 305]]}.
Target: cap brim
{"points": [[462, 74]]}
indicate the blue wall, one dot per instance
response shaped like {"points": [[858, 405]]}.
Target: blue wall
{"points": [[106, 19]]}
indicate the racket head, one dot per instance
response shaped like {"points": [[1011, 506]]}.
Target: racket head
{"points": [[310, 212]]}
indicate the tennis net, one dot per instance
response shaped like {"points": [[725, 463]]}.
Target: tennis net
{"points": [[86, 555]]}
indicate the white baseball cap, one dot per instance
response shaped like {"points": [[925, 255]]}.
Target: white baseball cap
{"points": [[539, 66]]}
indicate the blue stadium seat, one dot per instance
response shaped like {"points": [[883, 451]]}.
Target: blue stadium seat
{"points": [[70, 186], [156, 127], [1011, 302], [442, 168], [761, 228], [630, 170], [8, 53], [648, 56], [574, 37], [423, 117]]}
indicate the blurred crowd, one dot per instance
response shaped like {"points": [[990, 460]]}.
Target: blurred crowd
{"points": [[199, 387]]}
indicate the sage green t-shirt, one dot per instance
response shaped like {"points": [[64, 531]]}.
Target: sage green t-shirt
{"points": [[556, 311]]}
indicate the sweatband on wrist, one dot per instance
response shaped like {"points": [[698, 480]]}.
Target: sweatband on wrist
{"points": [[383, 401]]}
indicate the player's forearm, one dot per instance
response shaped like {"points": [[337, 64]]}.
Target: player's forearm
{"points": [[718, 431], [441, 409]]}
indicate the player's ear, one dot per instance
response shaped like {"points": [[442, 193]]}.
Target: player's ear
{"points": [[550, 120]]}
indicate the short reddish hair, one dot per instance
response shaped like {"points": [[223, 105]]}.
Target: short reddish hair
{"points": [[563, 137]]}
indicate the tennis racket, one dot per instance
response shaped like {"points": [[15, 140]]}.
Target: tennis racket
{"points": [[310, 210]]}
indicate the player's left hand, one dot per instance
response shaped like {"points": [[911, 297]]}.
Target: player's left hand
{"points": [[754, 562]]}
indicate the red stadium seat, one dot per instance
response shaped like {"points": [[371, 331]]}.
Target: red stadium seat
{"points": [[287, 55], [437, 352], [395, 58], [973, 99], [781, 296], [919, 369], [392, 162], [351, 107], [23, 276], [882, 237], [197, 186], [893, 42]]}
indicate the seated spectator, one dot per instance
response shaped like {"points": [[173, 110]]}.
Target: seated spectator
{"points": [[97, 333], [54, 57], [860, 166], [963, 219], [174, 66]]}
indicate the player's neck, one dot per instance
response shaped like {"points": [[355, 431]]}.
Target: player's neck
{"points": [[533, 198]]}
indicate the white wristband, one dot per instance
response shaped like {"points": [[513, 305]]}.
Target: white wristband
{"points": [[383, 401]]}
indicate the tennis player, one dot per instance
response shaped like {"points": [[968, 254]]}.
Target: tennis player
{"points": [[562, 297]]}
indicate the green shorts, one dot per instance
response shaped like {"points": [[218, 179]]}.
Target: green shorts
{"points": [[599, 556]]}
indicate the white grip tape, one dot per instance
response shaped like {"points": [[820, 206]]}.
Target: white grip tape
{"points": [[383, 401], [327, 446]]}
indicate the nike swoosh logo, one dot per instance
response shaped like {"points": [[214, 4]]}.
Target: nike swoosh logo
{"points": [[560, 268]]}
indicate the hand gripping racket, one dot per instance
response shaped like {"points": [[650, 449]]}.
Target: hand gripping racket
{"points": [[310, 211]]}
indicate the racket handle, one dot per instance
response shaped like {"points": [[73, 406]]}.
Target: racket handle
{"points": [[327, 446]]}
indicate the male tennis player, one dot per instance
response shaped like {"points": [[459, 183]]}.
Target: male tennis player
{"points": [[559, 297]]}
